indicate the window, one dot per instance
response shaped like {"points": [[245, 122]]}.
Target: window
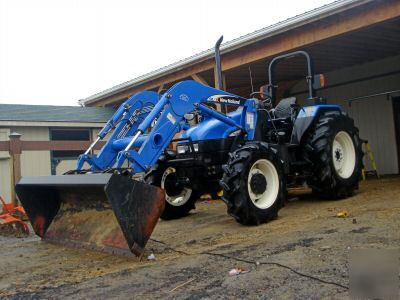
{"points": [[70, 134], [66, 134], [66, 153]]}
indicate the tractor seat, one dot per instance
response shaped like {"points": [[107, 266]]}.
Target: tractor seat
{"points": [[284, 108]]}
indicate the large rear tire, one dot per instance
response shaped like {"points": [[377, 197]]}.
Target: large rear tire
{"points": [[179, 200], [334, 148], [254, 184]]}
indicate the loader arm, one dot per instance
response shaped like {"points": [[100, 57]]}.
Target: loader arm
{"points": [[182, 98], [122, 124]]}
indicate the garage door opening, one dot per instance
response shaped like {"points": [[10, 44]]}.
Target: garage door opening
{"points": [[396, 112]]}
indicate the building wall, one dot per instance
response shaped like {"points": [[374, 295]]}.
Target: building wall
{"points": [[373, 116], [5, 168], [33, 163], [64, 166]]}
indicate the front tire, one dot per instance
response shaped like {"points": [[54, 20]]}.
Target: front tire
{"points": [[253, 183], [179, 200], [335, 151]]}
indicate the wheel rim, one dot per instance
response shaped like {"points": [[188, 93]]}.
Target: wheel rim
{"points": [[174, 198], [344, 154], [265, 196]]}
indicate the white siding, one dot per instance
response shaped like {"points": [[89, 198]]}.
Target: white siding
{"points": [[34, 163], [64, 166], [5, 179], [32, 133], [373, 116], [38, 163], [68, 164], [95, 131], [5, 168], [4, 133]]}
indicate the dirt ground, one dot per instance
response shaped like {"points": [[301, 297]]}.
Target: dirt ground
{"points": [[302, 254]]}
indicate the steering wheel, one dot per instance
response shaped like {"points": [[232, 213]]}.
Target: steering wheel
{"points": [[267, 101]]}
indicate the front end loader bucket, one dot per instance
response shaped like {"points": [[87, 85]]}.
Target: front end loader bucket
{"points": [[107, 212]]}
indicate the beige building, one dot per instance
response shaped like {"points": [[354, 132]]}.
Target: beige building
{"points": [[52, 129]]}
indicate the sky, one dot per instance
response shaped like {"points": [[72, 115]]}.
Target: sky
{"points": [[55, 52]]}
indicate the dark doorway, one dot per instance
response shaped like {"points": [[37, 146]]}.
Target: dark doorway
{"points": [[66, 134], [396, 112]]}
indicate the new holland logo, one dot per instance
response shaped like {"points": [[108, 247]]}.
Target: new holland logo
{"points": [[224, 99], [184, 97]]}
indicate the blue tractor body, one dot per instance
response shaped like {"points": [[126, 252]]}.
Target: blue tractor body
{"points": [[211, 129]]}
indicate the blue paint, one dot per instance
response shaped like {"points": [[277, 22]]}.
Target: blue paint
{"points": [[184, 97], [126, 113], [119, 145], [312, 111], [211, 129]]}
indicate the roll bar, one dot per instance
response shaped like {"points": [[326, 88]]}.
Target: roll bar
{"points": [[310, 73]]}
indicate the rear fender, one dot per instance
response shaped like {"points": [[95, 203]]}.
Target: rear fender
{"points": [[306, 117]]}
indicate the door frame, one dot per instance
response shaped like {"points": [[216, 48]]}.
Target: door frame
{"points": [[396, 120]]}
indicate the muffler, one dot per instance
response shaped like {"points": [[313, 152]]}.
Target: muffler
{"points": [[106, 212]]}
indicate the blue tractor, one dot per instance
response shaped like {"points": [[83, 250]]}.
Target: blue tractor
{"points": [[253, 153]]}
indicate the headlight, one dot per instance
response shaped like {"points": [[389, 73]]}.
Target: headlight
{"points": [[235, 133], [186, 148], [181, 149]]}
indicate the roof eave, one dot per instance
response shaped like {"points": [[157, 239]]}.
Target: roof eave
{"points": [[275, 29]]}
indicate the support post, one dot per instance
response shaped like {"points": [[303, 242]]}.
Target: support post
{"points": [[200, 79], [15, 153], [160, 89]]}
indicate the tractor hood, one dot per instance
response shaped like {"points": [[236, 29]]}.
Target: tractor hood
{"points": [[211, 129]]}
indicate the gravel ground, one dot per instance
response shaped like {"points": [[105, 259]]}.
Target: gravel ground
{"points": [[302, 254]]}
